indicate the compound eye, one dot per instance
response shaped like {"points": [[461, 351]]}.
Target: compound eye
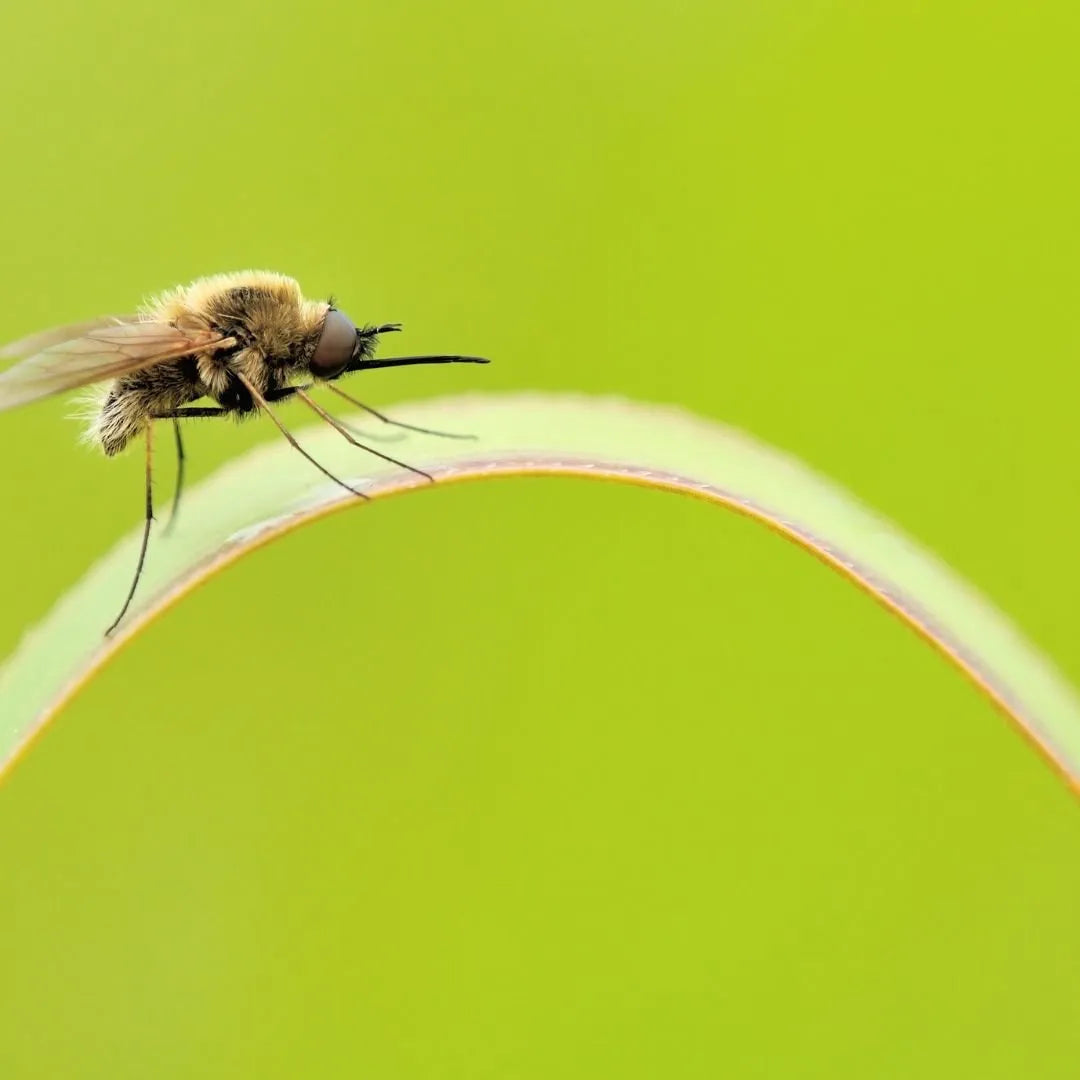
{"points": [[337, 343]]}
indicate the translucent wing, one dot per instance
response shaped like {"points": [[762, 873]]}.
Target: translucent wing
{"points": [[102, 352], [46, 339]]}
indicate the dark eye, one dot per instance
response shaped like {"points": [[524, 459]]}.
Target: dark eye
{"points": [[337, 342]]}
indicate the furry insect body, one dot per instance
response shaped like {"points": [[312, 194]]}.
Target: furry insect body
{"points": [[275, 330], [244, 341]]}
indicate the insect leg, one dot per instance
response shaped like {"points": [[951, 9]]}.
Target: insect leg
{"points": [[397, 423], [176, 415], [181, 414], [288, 391], [263, 404], [341, 429], [179, 477], [146, 528]]}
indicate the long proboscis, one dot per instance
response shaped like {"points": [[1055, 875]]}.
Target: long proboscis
{"points": [[408, 361]]}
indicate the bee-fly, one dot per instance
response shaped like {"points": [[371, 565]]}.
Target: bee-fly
{"points": [[246, 341]]}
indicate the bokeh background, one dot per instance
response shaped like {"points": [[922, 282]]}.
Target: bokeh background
{"points": [[542, 778]]}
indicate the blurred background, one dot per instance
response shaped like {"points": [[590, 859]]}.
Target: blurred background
{"points": [[542, 778]]}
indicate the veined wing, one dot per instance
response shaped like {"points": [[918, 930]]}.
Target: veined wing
{"points": [[46, 339], [103, 352]]}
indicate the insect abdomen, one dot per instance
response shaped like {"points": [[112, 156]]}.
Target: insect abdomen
{"points": [[117, 423], [133, 401]]}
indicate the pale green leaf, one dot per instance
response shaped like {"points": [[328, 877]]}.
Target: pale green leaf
{"points": [[272, 490]]}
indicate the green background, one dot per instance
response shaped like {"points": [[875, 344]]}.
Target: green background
{"points": [[541, 778]]}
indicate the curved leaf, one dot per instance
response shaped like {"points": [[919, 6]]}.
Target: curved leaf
{"points": [[272, 490]]}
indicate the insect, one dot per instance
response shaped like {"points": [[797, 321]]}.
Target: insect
{"points": [[245, 341]]}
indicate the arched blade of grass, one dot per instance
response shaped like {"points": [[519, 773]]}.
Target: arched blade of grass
{"points": [[272, 490]]}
